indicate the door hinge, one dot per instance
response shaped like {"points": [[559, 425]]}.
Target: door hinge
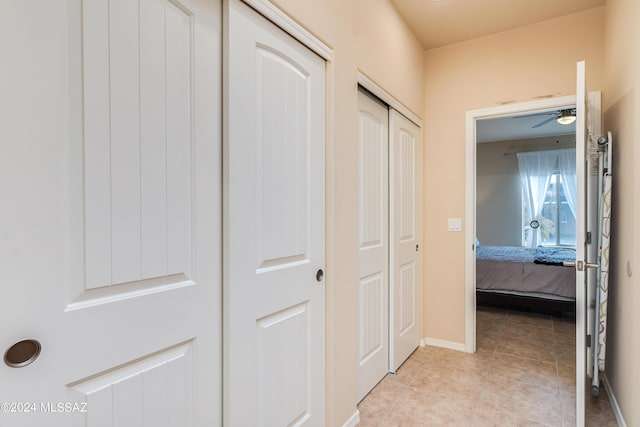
{"points": [[589, 340], [588, 237]]}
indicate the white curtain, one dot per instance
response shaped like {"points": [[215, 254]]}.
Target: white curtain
{"points": [[535, 168], [567, 166]]}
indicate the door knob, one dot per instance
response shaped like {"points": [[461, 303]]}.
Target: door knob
{"points": [[581, 265], [319, 275]]}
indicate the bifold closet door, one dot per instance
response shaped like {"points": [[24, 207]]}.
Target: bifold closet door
{"points": [[274, 246], [404, 328], [373, 287]]}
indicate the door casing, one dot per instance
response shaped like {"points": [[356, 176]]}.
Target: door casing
{"points": [[470, 203]]}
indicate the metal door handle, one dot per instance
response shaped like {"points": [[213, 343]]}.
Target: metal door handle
{"points": [[319, 275], [581, 265]]}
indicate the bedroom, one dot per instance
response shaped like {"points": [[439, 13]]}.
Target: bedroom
{"points": [[503, 218]]}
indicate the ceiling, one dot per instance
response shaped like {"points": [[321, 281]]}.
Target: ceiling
{"points": [[517, 127], [438, 23]]}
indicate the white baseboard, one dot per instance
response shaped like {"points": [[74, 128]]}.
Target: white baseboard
{"points": [[354, 420], [443, 344], [614, 403]]}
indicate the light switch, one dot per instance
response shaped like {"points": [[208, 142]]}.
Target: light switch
{"points": [[455, 224]]}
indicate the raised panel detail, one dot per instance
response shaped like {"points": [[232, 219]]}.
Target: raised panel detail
{"points": [[282, 167], [156, 391], [407, 193], [283, 361], [372, 180], [407, 296], [371, 316], [137, 88]]}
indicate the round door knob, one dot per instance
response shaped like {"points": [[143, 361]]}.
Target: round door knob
{"points": [[319, 275], [22, 353]]}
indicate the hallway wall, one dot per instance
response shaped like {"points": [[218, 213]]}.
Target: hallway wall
{"points": [[621, 109], [519, 65]]}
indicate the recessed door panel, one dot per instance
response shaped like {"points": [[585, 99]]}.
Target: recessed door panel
{"points": [[154, 391], [406, 196], [283, 363], [138, 145], [282, 185], [373, 335], [407, 297]]}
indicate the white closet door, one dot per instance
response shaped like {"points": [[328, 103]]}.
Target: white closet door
{"points": [[111, 192], [274, 294], [404, 238], [373, 287]]}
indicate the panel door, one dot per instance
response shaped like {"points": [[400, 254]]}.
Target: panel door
{"points": [[404, 238], [373, 287], [274, 295], [111, 212], [588, 128]]}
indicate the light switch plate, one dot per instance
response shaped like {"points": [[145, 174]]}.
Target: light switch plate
{"points": [[455, 224]]}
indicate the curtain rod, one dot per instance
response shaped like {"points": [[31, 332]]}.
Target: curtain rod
{"points": [[509, 153]]}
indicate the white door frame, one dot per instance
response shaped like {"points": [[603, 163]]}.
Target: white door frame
{"points": [[387, 98], [470, 196], [295, 30]]}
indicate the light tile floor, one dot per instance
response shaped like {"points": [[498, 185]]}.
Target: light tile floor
{"points": [[523, 374]]}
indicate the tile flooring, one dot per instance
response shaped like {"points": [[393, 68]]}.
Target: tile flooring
{"points": [[523, 374]]}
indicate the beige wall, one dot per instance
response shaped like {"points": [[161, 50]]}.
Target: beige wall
{"points": [[366, 35], [517, 65], [621, 109]]}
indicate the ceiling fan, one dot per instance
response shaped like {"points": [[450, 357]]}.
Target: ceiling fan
{"points": [[564, 117]]}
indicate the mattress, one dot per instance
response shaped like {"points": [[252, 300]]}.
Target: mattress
{"points": [[528, 277]]}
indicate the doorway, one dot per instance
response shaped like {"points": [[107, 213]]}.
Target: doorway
{"points": [[588, 120], [470, 212]]}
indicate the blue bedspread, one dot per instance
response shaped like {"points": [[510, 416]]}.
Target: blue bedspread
{"points": [[520, 254], [505, 253], [554, 255]]}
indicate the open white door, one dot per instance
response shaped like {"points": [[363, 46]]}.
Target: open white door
{"points": [[581, 236], [274, 243], [588, 127], [110, 226], [373, 287], [404, 238]]}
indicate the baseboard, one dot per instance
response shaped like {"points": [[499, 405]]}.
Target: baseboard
{"points": [[443, 344], [353, 421], [614, 403]]}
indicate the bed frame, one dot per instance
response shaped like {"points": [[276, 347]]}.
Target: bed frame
{"points": [[558, 308]]}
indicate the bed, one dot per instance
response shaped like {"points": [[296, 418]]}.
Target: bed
{"points": [[526, 278]]}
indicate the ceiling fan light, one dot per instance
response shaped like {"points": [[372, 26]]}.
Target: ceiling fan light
{"points": [[566, 118]]}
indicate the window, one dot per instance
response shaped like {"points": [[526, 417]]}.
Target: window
{"points": [[557, 221], [548, 197]]}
